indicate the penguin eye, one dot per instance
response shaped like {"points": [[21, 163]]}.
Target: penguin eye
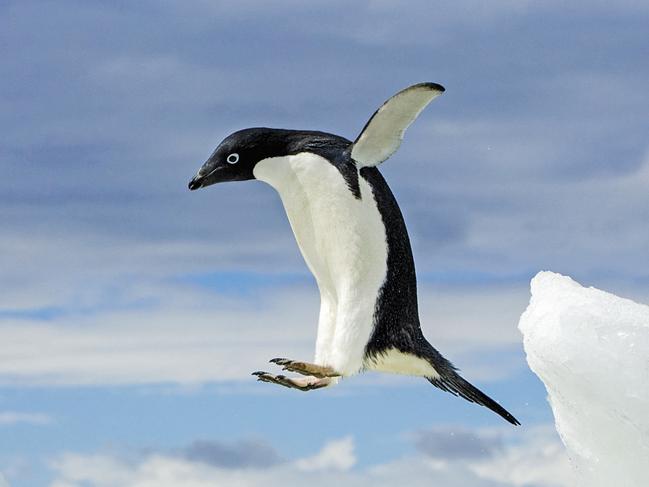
{"points": [[232, 158]]}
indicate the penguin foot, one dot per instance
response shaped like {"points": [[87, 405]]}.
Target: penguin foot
{"points": [[305, 368], [302, 383]]}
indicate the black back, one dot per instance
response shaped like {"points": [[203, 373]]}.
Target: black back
{"points": [[396, 314], [396, 317]]}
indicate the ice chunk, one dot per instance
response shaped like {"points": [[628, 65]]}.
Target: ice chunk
{"points": [[591, 350]]}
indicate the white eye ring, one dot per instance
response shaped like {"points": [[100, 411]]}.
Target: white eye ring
{"points": [[232, 158]]}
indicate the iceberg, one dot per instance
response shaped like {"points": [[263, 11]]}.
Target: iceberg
{"points": [[591, 350]]}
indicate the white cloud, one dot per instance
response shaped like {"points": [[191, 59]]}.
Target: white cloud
{"points": [[534, 461], [538, 458], [8, 418], [335, 455], [192, 340], [192, 336]]}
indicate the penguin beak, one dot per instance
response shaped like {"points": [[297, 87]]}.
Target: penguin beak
{"points": [[210, 173], [195, 183]]}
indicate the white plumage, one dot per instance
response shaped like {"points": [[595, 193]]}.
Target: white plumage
{"points": [[342, 239]]}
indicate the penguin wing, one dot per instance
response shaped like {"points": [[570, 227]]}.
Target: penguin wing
{"points": [[382, 134]]}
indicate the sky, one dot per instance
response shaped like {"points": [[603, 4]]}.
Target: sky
{"points": [[132, 311]]}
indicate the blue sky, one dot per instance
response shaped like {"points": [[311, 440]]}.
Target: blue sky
{"points": [[133, 311]]}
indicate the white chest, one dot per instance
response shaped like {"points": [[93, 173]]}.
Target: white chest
{"points": [[341, 237]]}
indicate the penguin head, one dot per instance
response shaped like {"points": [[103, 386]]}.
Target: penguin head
{"points": [[236, 156]]}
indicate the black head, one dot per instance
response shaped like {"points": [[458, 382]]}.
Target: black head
{"points": [[235, 158]]}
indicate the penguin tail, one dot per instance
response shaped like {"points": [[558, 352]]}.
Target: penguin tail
{"points": [[452, 382]]}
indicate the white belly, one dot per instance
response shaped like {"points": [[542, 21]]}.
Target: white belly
{"points": [[343, 242]]}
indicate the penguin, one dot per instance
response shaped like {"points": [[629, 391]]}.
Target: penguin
{"points": [[354, 241]]}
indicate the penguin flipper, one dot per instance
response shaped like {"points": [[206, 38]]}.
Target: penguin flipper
{"points": [[382, 134], [456, 385]]}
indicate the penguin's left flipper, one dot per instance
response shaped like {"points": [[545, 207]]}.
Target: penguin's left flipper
{"points": [[383, 133], [301, 383], [305, 368]]}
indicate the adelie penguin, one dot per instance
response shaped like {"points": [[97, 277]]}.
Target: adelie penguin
{"points": [[353, 238]]}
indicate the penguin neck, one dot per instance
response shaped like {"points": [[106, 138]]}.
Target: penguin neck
{"points": [[281, 173]]}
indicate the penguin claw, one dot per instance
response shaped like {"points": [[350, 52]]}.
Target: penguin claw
{"points": [[280, 361], [305, 368], [272, 379], [302, 384]]}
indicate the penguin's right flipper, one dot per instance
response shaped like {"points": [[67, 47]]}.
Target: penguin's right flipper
{"points": [[382, 134], [452, 382]]}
